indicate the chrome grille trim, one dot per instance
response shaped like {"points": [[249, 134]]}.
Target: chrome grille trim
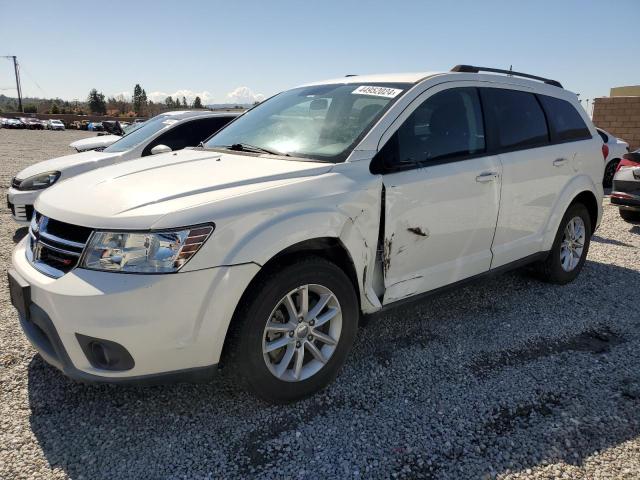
{"points": [[63, 241], [59, 250], [52, 254]]}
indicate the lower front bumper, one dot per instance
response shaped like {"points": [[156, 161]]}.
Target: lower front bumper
{"points": [[626, 201], [173, 326], [42, 334], [21, 204]]}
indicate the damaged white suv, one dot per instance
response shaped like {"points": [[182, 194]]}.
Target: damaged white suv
{"points": [[263, 248]]}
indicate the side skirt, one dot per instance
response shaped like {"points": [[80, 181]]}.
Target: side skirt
{"points": [[489, 273]]}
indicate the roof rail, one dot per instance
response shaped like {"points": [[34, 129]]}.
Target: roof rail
{"points": [[474, 69]]}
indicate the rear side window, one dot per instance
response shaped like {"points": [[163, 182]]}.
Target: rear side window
{"points": [[565, 121], [446, 126], [517, 116]]}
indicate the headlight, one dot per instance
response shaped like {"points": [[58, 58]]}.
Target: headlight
{"points": [[40, 181], [152, 252]]}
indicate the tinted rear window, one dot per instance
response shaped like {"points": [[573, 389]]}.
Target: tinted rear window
{"points": [[517, 116], [566, 123]]}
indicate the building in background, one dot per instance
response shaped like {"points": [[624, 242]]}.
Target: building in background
{"points": [[619, 114]]}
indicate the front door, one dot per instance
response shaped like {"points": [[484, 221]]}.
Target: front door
{"points": [[442, 195]]}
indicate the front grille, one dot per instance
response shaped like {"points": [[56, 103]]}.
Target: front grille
{"points": [[55, 247]]}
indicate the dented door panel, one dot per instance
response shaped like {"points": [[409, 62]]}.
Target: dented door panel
{"points": [[439, 225]]}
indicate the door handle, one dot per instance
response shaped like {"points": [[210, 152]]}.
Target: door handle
{"points": [[558, 162], [486, 177]]}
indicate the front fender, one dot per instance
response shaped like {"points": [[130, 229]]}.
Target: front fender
{"points": [[572, 189], [357, 233]]}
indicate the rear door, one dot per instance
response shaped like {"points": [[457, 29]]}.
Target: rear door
{"points": [[442, 193], [533, 171]]}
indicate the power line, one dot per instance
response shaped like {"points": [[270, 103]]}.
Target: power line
{"points": [[32, 79]]}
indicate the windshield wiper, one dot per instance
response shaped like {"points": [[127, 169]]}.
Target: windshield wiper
{"points": [[245, 147]]}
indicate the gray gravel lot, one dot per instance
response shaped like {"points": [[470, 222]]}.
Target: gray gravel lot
{"points": [[510, 378]]}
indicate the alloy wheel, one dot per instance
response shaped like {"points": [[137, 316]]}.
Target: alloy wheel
{"points": [[572, 244], [302, 333]]}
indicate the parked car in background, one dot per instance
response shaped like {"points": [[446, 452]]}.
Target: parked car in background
{"points": [[32, 123], [626, 187], [164, 133], [14, 123], [322, 203], [55, 125], [103, 140], [615, 148]]}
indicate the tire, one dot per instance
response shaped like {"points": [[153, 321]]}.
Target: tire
{"points": [[554, 268], [630, 215], [609, 172], [250, 337]]}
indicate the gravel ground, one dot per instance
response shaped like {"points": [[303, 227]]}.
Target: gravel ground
{"points": [[510, 378]]}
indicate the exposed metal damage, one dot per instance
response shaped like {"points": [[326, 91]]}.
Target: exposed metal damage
{"points": [[418, 231]]}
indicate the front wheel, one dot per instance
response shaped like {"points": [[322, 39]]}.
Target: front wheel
{"points": [[295, 329], [570, 247]]}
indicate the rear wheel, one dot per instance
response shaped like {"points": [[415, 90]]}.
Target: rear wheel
{"points": [[570, 247], [609, 172], [295, 330], [630, 215]]}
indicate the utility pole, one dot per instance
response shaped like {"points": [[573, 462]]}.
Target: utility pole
{"points": [[17, 72]]}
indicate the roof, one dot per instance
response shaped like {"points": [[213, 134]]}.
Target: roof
{"points": [[416, 77]]}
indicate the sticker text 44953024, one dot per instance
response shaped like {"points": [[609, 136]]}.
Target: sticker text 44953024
{"points": [[377, 91]]}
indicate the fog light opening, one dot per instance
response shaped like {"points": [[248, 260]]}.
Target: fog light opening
{"points": [[101, 355]]}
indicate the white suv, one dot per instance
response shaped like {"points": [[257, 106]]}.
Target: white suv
{"points": [[263, 248]]}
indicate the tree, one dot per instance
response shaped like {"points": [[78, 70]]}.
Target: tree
{"points": [[197, 103], [169, 102], [139, 99], [96, 102], [31, 108], [54, 109], [184, 102]]}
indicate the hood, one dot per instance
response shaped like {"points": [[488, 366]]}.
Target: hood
{"points": [[66, 164], [137, 193], [94, 142]]}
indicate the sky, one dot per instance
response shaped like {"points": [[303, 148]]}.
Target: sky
{"points": [[239, 51]]}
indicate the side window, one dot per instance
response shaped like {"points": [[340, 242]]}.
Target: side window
{"points": [[517, 116], [445, 126], [565, 121], [188, 134]]}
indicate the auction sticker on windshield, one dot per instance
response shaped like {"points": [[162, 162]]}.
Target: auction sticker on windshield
{"points": [[377, 91]]}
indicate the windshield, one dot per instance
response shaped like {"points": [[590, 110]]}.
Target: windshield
{"points": [[323, 122], [140, 134]]}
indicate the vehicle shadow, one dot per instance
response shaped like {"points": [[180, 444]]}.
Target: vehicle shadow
{"points": [[610, 241], [506, 375], [19, 234]]}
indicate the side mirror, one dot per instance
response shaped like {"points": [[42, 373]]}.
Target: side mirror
{"points": [[160, 149]]}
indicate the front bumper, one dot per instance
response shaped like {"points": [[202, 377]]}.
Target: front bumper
{"points": [[172, 325], [21, 204], [626, 189]]}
